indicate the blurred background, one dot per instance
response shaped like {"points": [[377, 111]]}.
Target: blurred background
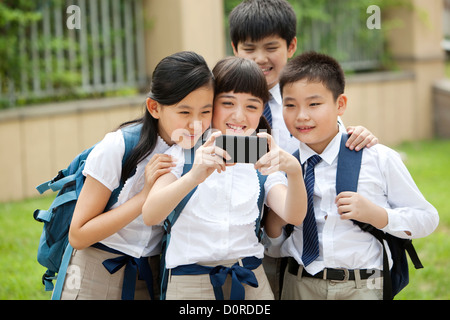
{"points": [[70, 71]]}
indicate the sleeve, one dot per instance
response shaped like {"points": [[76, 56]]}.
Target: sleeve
{"points": [[408, 209], [178, 153], [272, 246], [272, 180], [104, 163]]}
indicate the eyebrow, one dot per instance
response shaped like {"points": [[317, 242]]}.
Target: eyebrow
{"points": [[315, 96], [229, 96], [209, 105]]}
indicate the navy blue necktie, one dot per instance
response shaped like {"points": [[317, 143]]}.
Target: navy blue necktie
{"points": [[310, 238], [268, 114]]}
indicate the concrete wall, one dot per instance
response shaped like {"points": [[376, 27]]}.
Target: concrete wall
{"points": [[36, 142]]}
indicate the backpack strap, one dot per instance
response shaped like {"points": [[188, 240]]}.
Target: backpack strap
{"points": [[131, 136], [262, 180], [170, 221], [347, 175]]}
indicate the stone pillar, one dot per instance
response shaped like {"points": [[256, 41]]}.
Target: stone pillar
{"points": [[177, 25], [416, 45]]}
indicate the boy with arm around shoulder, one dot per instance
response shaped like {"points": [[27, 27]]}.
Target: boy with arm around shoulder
{"points": [[265, 31], [312, 87]]}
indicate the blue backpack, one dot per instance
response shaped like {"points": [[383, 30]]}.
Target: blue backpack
{"points": [[173, 216], [394, 280], [54, 250]]}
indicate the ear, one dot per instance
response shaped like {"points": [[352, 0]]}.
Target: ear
{"points": [[234, 49], [341, 104], [153, 108], [292, 47]]}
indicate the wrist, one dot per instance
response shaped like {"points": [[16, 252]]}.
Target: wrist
{"points": [[379, 218]]}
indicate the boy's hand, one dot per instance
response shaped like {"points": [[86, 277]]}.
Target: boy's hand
{"points": [[360, 137], [277, 159], [352, 205]]}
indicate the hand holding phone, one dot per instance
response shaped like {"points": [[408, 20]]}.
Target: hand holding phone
{"points": [[243, 149]]}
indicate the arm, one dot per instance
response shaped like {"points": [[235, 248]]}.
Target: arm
{"points": [[89, 225], [407, 214], [208, 158], [289, 203]]}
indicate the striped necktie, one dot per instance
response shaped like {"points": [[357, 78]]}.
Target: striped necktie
{"points": [[268, 114], [310, 238]]}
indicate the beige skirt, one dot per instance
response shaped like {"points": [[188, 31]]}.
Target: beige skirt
{"points": [[198, 287], [88, 279]]}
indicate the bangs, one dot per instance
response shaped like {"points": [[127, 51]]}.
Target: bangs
{"points": [[240, 76]]}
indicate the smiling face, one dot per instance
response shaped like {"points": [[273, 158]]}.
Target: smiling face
{"points": [[237, 113], [184, 123], [270, 53], [310, 113]]}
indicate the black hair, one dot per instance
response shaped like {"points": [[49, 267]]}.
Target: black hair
{"points": [[242, 76], [173, 79], [315, 67], [257, 19]]}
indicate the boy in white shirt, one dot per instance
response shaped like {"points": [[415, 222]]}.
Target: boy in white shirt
{"points": [[312, 87]]}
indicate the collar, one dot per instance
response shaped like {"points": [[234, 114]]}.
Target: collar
{"points": [[275, 94], [328, 155]]}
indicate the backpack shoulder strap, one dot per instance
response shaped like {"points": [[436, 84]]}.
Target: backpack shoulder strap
{"points": [[173, 216], [131, 136], [348, 167], [262, 180]]}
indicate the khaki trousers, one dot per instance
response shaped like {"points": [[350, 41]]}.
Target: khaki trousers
{"points": [[87, 278], [198, 287], [306, 288]]}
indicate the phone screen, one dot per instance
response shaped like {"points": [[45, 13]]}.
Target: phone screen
{"points": [[243, 149]]}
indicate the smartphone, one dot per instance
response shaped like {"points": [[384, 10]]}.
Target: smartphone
{"points": [[243, 149]]}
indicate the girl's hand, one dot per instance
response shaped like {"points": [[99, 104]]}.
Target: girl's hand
{"points": [[359, 138], [208, 158], [277, 159], [158, 165]]}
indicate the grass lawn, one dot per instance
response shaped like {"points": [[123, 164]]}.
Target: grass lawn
{"points": [[428, 162]]}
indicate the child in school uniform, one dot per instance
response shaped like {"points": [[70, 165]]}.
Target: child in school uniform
{"points": [[119, 238], [265, 32], [215, 232], [312, 87]]}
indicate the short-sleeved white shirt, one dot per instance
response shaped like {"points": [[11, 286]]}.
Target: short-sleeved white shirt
{"points": [[104, 164], [218, 222]]}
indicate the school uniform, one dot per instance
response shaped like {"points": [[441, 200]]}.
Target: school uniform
{"points": [[289, 143], [217, 227], [385, 181], [280, 132], [135, 241]]}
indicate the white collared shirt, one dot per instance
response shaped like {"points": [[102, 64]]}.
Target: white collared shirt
{"points": [[280, 132], [104, 164], [385, 181], [218, 222]]}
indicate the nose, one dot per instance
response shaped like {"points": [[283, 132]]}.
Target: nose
{"points": [[302, 114], [259, 57], [238, 114]]}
